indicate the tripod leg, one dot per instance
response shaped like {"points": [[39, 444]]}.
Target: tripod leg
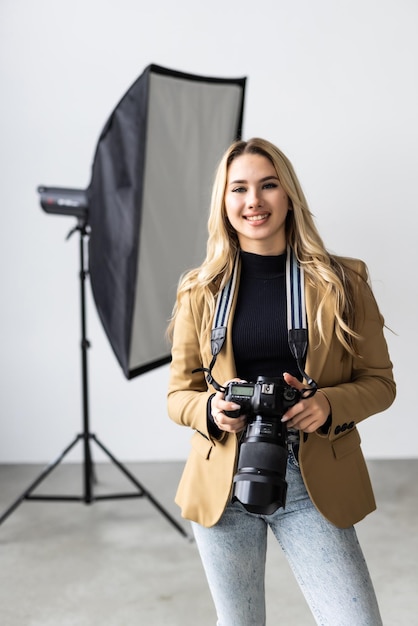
{"points": [[48, 469], [142, 489], [88, 469]]}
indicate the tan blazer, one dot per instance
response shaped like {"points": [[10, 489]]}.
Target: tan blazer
{"points": [[332, 466]]}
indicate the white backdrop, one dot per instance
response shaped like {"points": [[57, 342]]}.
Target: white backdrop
{"points": [[332, 83]]}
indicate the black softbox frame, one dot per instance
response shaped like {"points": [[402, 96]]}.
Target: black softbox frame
{"points": [[148, 202], [144, 218]]}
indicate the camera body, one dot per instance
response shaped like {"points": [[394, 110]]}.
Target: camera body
{"points": [[268, 396], [259, 483]]}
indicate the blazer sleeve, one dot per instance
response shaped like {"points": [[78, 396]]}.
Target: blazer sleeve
{"points": [[371, 387], [188, 394]]}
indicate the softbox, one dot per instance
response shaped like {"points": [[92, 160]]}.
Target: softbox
{"points": [[148, 202]]}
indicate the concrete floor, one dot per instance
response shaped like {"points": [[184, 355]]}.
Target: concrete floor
{"points": [[122, 563]]}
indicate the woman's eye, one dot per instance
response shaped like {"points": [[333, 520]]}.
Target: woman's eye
{"points": [[270, 186], [238, 189]]}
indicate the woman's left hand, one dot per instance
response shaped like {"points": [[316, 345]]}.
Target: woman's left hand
{"points": [[308, 414]]}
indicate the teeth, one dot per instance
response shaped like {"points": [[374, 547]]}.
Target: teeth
{"points": [[256, 218]]}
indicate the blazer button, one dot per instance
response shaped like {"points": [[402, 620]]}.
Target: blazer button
{"points": [[351, 425], [344, 427], [337, 430]]}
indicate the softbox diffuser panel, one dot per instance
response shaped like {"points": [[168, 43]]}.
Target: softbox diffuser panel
{"points": [[148, 202]]}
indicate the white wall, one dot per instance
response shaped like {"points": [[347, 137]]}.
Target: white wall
{"points": [[332, 83]]}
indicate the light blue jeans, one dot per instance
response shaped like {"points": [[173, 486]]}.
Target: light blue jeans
{"points": [[327, 562]]}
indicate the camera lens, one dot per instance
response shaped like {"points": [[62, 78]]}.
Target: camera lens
{"points": [[259, 483]]}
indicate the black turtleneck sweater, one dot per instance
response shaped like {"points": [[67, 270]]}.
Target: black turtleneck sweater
{"points": [[259, 332]]}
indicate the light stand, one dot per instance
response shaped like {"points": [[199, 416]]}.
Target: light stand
{"points": [[86, 437]]}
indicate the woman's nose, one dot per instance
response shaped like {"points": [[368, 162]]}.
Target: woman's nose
{"points": [[254, 198]]}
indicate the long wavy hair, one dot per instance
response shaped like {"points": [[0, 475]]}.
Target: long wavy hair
{"points": [[321, 268]]}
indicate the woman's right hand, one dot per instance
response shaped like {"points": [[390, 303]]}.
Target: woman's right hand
{"points": [[222, 421]]}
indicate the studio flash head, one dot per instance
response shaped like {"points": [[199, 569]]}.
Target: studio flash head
{"points": [[62, 201]]}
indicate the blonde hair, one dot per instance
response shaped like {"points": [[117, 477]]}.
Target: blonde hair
{"points": [[323, 269]]}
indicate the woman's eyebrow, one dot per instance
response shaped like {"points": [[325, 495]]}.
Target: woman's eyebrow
{"points": [[262, 180]]}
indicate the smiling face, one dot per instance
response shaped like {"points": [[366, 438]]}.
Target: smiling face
{"points": [[256, 205]]}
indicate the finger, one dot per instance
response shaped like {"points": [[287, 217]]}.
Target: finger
{"points": [[229, 424], [296, 414], [292, 381], [298, 410]]}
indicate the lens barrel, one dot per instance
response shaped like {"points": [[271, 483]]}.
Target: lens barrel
{"points": [[259, 483]]}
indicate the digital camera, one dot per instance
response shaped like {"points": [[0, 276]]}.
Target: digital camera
{"points": [[259, 483]]}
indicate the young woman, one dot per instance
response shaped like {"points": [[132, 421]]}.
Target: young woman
{"points": [[259, 219]]}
